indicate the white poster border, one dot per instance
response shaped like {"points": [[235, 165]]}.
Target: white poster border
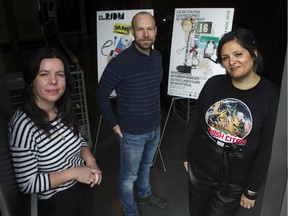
{"points": [[113, 34], [195, 36]]}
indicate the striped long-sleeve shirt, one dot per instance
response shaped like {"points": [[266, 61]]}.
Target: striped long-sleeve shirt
{"points": [[136, 78], [35, 155]]}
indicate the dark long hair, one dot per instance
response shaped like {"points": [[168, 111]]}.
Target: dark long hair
{"points": [[248, 41], [63, 105]]}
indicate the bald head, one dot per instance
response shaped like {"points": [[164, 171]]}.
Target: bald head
{"points": [[139, 14]]}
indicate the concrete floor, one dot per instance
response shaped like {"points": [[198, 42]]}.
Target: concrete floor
{"points": [[170, 184]]}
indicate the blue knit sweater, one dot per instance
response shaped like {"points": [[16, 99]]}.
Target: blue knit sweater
{"points": [[136, 78]]}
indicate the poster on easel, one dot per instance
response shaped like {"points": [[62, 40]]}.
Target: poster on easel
{"points": [[113, 34], [195, 37]]}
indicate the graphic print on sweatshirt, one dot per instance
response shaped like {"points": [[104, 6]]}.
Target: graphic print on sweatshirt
{"points": [[229, 121]]}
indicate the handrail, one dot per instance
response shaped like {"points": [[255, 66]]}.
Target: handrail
{"points": [[71, 57]]}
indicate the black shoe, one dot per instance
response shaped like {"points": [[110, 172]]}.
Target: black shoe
{"points": [[153, 200]]}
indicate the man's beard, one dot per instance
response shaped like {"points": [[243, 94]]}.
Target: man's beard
{"points": [[145, 45]]}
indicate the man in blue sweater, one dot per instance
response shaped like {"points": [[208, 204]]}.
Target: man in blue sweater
{"points": [[135, 74]]}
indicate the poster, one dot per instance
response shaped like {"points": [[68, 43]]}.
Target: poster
{"points": [[195, 36], [113, 34]]}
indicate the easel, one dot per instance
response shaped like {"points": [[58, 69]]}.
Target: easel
{"points": [[98, 128], [158, 148], [97, 136], [163, 131], [161, 138]]}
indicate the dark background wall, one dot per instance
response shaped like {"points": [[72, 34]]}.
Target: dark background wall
{"points": [[21, 22], [267, 19], [10, 197]]}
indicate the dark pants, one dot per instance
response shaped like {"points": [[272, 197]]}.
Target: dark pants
{"points": [[216, 178], [75, 201], [207, 198]]}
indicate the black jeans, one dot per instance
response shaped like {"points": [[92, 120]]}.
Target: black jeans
{"points": [[74, 201]]}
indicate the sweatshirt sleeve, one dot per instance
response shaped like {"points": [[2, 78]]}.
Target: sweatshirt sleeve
{"points": [[108, 82], [261, 162]]}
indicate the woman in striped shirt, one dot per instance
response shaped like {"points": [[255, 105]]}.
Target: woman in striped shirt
{"points": [[49, 155]]}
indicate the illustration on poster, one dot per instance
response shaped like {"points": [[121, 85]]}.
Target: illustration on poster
{"points": [[199, 46], [188, 25], [123, 35]]}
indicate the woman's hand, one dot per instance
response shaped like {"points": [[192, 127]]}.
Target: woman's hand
{"points": [[88, 175], [185, 163], [90, 162], [97, 172], [246, 203]]}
